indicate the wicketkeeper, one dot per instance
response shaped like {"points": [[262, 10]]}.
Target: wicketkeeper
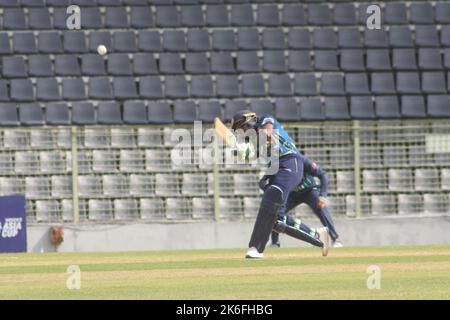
{"points": [[314, 195], [280, 184]]}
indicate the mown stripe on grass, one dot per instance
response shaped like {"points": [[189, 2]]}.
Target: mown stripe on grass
{"points": [[225, 263]]}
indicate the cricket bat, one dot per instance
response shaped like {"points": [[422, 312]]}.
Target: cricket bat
{"points": [[224, 133]]}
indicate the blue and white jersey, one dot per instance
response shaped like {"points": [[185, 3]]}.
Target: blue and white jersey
{"points": [[283, 142]]}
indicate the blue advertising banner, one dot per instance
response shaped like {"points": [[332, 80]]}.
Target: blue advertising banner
{"points": [[13, 224]]}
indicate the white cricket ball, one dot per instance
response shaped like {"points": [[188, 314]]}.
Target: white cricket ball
{"points": [[101, 49]]}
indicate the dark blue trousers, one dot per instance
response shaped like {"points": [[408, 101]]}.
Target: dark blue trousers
{"points": [[310, 198]]}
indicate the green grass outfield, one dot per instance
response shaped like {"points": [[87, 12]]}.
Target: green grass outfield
{"points": [[406, 273]]}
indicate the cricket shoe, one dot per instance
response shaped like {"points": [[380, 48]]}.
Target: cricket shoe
{"points": [[337, 244], [253, 253], [325, 238]]}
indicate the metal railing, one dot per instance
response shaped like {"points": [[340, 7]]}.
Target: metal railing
{"points": [[127, 173]]}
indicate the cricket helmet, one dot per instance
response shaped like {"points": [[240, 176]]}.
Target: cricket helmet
{"points": [[244, 119]]}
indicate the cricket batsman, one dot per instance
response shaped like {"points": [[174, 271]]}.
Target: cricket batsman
{"points": [[311, 193], [279, 186]]}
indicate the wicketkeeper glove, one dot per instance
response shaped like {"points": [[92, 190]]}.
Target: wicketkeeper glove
{"points": [[245, 151]]}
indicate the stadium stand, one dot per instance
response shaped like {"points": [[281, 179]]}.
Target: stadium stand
{"points": [[311, 63]]}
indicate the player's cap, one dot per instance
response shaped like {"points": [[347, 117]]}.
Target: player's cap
{"points": [[244, 119]]}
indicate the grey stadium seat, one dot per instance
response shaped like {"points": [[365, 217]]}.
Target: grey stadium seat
{"points": [[361, 107], [387, 107], [442, 10], [119, 64], [299, 61], [149, 41], [438, 106], [273, 39], [160, 112], [47, 89], [280, 85], [336, 108], [253, 86], [14, 19], [170, 63], [39, 18], [100, 88], [404, 59], [305, 84], [83, 113], [144, 64], [356, 84], [184, 112], [73, 89], [97, 38], [400, 37], [150, 87], [395, 13], [198, 40], [352, 60], [376, 38], [324, 38], [430, 59], [8, 114], [197, 63], [326, 60], [223, 40], [287, 109], [125, 88], [5, 46], [349, 38], [209, 110], [298, 38], [227, 86], [134, 112], [217, 16], [92, 65], [109, 113], [261, 106], [332, 84], [174, 41], [311, 109], [4, 94], [31, 114], [421, 13], [319, 14], [24, 43], [433, 82], [248, 61], [21, 90], [202, 87], [91, 18], [293, 15], [222, 62], [274, 61], [408, 83], [167, 17], [75, 42], [141, 17], [267, 15], [125, 41], [383, 83], [413, 107], [176, 87], [344, 14], [192, 16], [116, 17], [427, 36], [248, 39], [57, 114], [40, 66], [241, 15], [378, 60]]}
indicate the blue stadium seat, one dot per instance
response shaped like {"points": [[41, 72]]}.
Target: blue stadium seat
{"points": [[31, 114], [135, 112], [361, 107], [109, 113], [160, 112], [57, 114], [83, 113]]}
